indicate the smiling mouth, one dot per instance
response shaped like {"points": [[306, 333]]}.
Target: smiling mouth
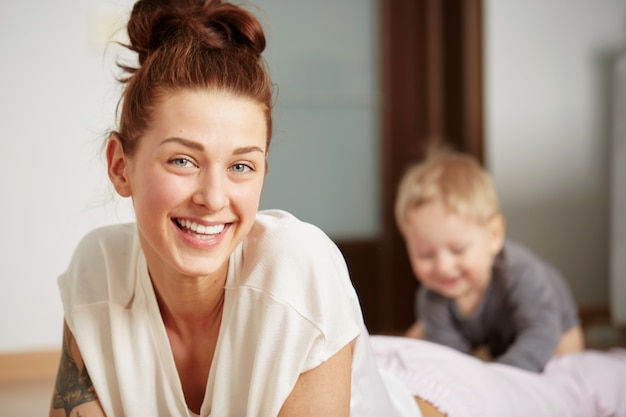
{"points": [[199, 231], [449, 281]]}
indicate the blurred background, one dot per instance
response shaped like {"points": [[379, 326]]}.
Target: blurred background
{"points": [[532, 88]]}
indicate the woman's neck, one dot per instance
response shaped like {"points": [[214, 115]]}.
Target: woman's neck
{"points": [[190, 303]]}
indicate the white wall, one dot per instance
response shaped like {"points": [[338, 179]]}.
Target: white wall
{"points": [[57, 102], [548, 96], [58, 99]]}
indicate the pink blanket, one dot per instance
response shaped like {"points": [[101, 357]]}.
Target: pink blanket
{"points": [[587, 384]]}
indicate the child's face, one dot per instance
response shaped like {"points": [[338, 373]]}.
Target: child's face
{"points": [[450, 254]]}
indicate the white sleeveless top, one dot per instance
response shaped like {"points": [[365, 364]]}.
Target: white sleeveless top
{"points": [[289, 306]]}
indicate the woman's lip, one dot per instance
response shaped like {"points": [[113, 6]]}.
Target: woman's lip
{"points": [[202, 240], [199, 228]]}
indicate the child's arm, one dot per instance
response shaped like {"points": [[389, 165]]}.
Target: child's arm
{"points": [[415, 331], [427, 409], [435, 315], [537, 310], [571, 341], [537, 337]]}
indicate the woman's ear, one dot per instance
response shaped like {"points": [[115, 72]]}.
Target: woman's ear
{"points": [[117, 166], [497, 229]]}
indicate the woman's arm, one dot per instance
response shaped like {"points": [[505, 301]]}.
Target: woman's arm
{"points": [[324, 390], [74, 394]]}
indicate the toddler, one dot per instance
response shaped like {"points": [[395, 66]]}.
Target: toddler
{"points": [[479, 289]]}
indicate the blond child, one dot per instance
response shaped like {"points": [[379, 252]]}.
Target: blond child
{"points": [[479, 289]]}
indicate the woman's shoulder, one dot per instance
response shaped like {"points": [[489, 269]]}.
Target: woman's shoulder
{"points": [[108, 236], [290, 259], [105, 243], [279, 223], [104, 252], [277, 232]]}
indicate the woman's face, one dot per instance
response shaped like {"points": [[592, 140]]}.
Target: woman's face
{"points": [[195, 180]]}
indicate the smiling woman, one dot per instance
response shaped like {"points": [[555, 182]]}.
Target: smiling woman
{"points": [[204, 305]]}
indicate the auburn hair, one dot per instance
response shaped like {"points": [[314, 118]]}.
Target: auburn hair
{"points": [[194, 45]]}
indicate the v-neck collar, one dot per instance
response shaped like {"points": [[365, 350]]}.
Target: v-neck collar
{"points": [[161, 341]]}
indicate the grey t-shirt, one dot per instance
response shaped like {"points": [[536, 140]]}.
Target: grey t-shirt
{"points": [[521, 317]]}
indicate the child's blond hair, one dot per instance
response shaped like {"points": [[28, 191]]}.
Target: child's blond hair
{"points": [[455, 179]]}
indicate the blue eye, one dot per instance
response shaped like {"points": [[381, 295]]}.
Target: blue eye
{"points": [[241, 168], [181, 162]]}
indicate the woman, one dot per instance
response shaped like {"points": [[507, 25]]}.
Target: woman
{"points": [[204, 306]]}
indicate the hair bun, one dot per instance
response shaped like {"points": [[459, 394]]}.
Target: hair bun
{"points": [[215, 24]]}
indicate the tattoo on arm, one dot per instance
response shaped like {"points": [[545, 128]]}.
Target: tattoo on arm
{"points": [[73, 385]]}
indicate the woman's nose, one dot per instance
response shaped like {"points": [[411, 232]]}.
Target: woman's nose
{"points": [[211, 191]]}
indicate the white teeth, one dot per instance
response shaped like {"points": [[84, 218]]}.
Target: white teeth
{"points": [[200, 228]]}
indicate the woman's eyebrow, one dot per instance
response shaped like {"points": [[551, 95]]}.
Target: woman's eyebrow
{"points": [[188, 143], [247, 149], [200, 147]]}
